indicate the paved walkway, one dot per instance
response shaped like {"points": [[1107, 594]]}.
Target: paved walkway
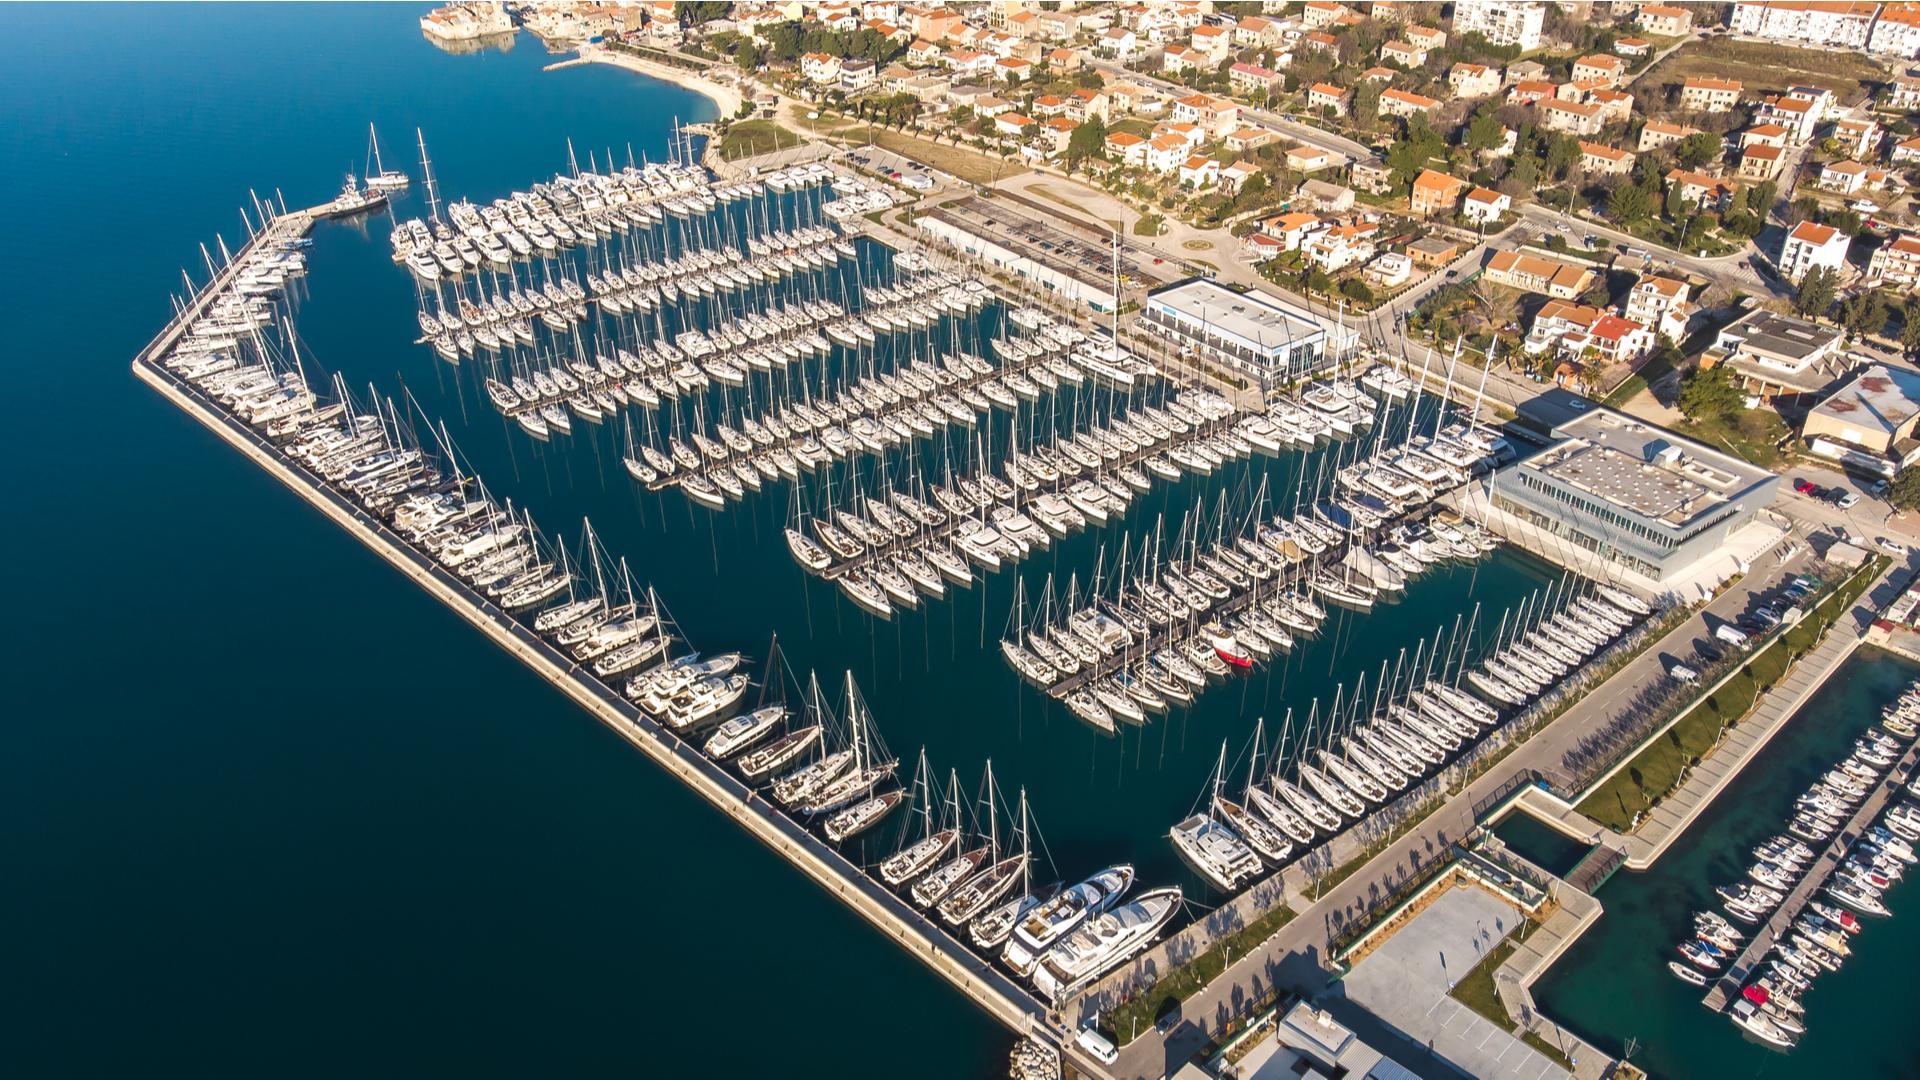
{"points": [[1406, 981]]}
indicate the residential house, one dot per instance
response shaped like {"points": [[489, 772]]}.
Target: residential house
{"points": [[1765, 135], [1199, 173], [1254, 80], [1572, 117], [1810, 246], [1312, 159], [1012, 125], [1484, 205], [1241, 140], [1380, 76], [1320, 41], [1473, 80], [1661, 303], [1526, 71], [1334, 249], [1502, 22], [1577, 331], [1858, 139], [988, 107], [1235, 176], [1432, 252], [1083, 103], [1322, 13], [1258, 32], [1127, 148], [1133, 99], [1213, 42], [1215, 115], [1179, 59], [1326, 198], [1699, 189], [1166, 153], [1760, 163], [1609, 69], [1426, 37], [1258, 247], [1435, 192], [1664, 20], [1389, 270], [1702, 94], [1529, 272], [1373, 177], [1395, 102], [820, 68], [1902, 94], [1119, 44], [1324, 96], [1616, 106], [1048, 106], [1530, 92], [1064, 61], [1842, 177], [1292, 229], [922, 53], [1599, 160], [1798, 115], [1897, 262], [1658, 133], [1404, 53], [1056, 133], [1632, 47], [858, 75], [1907, 152], [1776, 356], [1190, 134]]}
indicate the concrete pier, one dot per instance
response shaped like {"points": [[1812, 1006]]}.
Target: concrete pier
{"points": [[1781, 923], [913, 930]]}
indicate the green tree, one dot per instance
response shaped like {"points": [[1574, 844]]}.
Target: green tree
{"points": [[1710, 392], [1485, 133], [1904, 492], [1910, 330], [1816, 291], [1676, 202], [747, 56], [1089, 140], [1356, 289], [1697, 149], [1629, 204], [1760, 199], [1366, 104]]}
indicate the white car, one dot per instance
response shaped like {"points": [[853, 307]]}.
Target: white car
{"points": [[1847, 501], [1891, 546]]}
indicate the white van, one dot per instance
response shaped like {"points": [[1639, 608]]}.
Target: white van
{"points": [[1096, 1044], [1730, 634]]}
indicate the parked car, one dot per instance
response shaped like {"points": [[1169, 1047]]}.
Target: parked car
{"points": [[1892, 547], [1878, 487], [1683, 674], [1804, 486], [1710, 650], [1847, 500], [1730, 634]]}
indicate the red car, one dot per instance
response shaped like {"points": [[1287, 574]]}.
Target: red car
{"points": [[1803, 485]]}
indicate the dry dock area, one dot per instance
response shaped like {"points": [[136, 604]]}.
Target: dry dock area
{"points": [[914, 931]]}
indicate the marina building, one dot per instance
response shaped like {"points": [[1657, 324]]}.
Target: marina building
{"points": [[1252, 333], [1636, 495], [1309, 1042]]}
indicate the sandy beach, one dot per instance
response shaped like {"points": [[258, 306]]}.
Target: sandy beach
{"points": [[726, 98]]}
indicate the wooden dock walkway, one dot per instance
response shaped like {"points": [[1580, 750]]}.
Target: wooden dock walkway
{"points": [[1728, 987], [933, 945]]}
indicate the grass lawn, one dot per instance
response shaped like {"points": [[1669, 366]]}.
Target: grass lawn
{"points": [[1763, 66], [749, 138], [1655, 771], [1183, 982], [1068, 198], [1132, 125], [1475, 990], [1754, 435]]}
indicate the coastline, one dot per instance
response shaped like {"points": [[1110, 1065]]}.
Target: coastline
{"points": [[726, 99]]}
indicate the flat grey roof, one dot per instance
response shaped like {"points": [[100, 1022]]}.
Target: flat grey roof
{"points": [[1780, 335], [1249, 316], [1654, 474], [1880, 397]]}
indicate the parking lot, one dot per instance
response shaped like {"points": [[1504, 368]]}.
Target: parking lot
{"points": [[902, 170]]}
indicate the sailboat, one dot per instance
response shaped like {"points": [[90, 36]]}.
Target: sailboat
{"points": [[916, 858], [378, 176], [981, 890]]}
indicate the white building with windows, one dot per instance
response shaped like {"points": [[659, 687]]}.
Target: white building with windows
{"points": [[1254, 333], [1809, 23], [1502, 22], [1809, 247]]}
